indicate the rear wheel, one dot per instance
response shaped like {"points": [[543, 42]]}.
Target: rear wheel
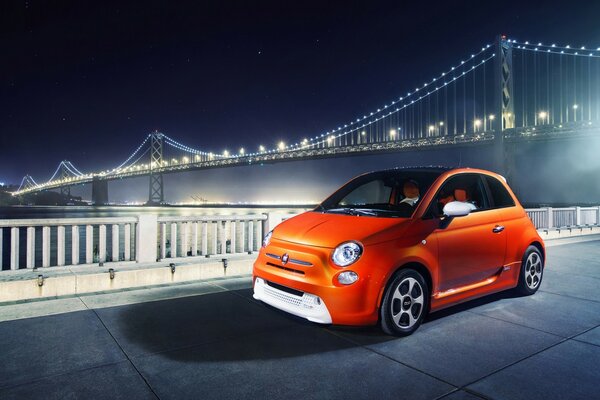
{"points": [[405, 303], [532, 270]]}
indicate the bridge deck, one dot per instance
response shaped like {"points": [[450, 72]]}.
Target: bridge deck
{"points": [[213, 341]]}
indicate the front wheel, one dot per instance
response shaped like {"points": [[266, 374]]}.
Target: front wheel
{"points": [[532, 270], [405, 303]]}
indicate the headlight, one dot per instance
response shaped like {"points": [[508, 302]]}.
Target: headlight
{"points": [[346, 253], [267, 239]]}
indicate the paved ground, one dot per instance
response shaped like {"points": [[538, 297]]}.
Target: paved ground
{"points": [[214, 341]]}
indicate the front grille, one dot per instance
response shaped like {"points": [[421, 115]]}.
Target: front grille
{"points": [[295, 271], [285, 289], [291, 296], [283, 296], [291, 260]]}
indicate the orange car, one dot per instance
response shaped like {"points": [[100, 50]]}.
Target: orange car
{"points": [[391, 246]]}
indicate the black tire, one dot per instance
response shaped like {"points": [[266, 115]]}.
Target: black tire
{"points": [[395, 308], [531, 273]]}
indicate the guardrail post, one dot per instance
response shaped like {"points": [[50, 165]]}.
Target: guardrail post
{"points": [[577, 216], [89, 244], [215, 236], [242, 236], [30, 246], [146, 233], [163, 241], [222, 237], [184, 238], [102, 243], [204, 238], [60, 245], [195, 239], [550, 219], [273, 219], [597, 220], [173, 240], [127, 242], [250, 236], [1, 240], [14, 248], [46, 246], [115, 242], [233, 233], [75, 244]]}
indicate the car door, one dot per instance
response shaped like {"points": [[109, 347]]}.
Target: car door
{"points": [[470, 248]]}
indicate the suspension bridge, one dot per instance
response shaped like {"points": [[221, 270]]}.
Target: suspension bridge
{"points": [[504, 92]]}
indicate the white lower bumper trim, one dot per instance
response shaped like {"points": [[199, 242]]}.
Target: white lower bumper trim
{"points": [[306, 306]]}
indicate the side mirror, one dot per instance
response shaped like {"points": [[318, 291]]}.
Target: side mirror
{"points": [[457, 209]]}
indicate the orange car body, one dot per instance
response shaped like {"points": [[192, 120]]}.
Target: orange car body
{"points": [[461, 260]]}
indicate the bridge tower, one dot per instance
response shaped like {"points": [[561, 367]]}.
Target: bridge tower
{"points": [[64, 173], [504, 104], [156, 192]]}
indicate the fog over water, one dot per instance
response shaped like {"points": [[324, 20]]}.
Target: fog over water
{"points": [[562, 171]]}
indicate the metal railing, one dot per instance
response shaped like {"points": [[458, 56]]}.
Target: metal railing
{"points": [[549, 217], [209, 235], [33, 243]]}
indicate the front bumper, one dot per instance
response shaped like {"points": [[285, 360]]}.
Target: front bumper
{"points": [[307, 305]]}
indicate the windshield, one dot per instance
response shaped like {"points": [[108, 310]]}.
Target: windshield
{"points": [[393, 193]]}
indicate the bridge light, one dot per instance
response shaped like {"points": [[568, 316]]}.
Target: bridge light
{"points": [[542, 115], [281, 146], [431, 128], [477, 123], [261, 148], [225, 153], [197, 157], [242, 151], [575, 106], [392, 132], [363, 133], [185, 160], [492, 117], [441, 123]]}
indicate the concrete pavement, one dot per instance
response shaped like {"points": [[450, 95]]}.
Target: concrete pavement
{"points": [[212, 340]]}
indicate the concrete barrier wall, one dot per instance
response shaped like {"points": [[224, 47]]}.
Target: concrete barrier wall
{"points": [[34, 285]]}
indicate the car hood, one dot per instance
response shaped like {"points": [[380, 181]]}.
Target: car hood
{"points": [[329, 230]]}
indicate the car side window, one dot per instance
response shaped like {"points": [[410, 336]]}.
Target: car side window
{"points": [[466, 188], [500, 196]]}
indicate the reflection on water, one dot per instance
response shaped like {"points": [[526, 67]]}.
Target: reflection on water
{"points": [[112, 211]]}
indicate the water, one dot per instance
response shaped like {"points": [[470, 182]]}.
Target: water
{"points": [[39, 212]]}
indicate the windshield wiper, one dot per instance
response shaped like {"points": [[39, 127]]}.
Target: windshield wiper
{"points": [[351, 211]]}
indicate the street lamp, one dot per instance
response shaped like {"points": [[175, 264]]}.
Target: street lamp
{"points": [[281, 145], [242, 151], [542, 116], [431, 129], [225, 153], [477, 124], [392, 134], [261, 148]]}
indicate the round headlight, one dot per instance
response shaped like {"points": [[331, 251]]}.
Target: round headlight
{"points": [[346, 254], [267, 239]]}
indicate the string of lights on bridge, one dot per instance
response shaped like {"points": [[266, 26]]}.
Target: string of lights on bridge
{"points": [[460, 71]]}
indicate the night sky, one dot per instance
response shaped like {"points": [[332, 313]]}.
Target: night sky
{"points": [[86, 81]]}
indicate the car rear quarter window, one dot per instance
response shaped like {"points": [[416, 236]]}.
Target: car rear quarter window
{"points": [[500, 196]]}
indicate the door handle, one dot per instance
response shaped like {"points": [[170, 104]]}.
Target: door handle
{"points": [[498, 229]]}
